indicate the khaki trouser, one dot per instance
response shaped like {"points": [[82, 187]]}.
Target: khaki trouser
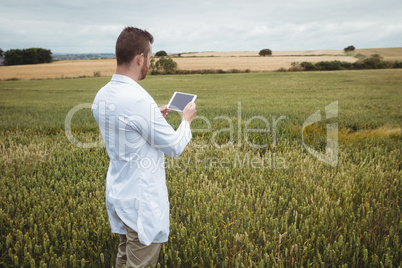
{"points": [[134, 254]]}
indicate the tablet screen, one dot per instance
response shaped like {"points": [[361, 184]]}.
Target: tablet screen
{"points": [[179, 100]]}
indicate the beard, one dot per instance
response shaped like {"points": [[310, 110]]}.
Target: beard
{"points": [[144, 71]]}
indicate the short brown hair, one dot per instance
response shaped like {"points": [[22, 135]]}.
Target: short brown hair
{"points": [[131, 42]]}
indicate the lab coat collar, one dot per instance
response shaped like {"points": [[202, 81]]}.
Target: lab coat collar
{"points": [[123, 79]]}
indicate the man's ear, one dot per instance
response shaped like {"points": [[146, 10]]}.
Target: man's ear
{"points": [[139, 59]]}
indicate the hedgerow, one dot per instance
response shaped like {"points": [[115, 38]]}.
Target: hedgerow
{"points": [[373, 62]]}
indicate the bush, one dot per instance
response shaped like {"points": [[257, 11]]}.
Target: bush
{"points": [[161, 53], [307, 66], [296, 67], [349, 49], [332, 65], [265, 52], [327, 65], [166, 65], [397, 64], [375, 61]]}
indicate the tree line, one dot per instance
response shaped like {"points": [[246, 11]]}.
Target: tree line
{"points": [[26, 56]]}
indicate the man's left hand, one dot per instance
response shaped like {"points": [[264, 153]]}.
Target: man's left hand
{"points": [[164, 110]]}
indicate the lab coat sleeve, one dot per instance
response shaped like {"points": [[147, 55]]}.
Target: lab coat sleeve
{"points": [[157, 132]]}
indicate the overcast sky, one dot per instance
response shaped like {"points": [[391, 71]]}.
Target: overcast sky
{"points": [[87, 26]]}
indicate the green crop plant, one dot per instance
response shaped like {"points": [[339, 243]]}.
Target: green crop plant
{"points": [[244, 193]]}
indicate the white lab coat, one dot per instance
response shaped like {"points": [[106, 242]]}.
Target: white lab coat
{"points": [[137, 136]]}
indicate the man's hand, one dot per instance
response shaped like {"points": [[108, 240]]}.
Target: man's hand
{"points": [[164, 110], [189, 112]]}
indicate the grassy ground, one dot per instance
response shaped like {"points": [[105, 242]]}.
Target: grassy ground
{"points": [[232, 204]]}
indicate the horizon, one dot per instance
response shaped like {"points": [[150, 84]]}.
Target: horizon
{"points": [[188, 52]]}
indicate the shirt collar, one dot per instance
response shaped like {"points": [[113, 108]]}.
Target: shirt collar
{"points": [[123, 79]]}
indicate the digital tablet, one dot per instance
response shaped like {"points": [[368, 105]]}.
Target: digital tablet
{"points": [[179, 100]]}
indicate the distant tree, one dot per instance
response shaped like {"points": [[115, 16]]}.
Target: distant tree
{"points": [[153, 66], [27, 56], [161, 53], [30, 56], [45, 55], [166, 65], [13, 57], [265, 52], [1, 53], [349, 48]]}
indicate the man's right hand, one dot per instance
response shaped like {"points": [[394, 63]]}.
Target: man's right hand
{"points": [[189, 112]]}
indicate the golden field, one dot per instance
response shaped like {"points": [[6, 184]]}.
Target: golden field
{"points": [[252, 63], [59, 69], [194, 61]]}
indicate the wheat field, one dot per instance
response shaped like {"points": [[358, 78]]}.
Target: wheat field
{"points": [[251, 63], [242, 60], [328, 52], [59, 69], [246, 192]]}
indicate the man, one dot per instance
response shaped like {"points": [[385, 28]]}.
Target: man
{"points": [[137, 136]]}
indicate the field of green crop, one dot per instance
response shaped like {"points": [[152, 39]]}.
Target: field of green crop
{"points": [[245, 193]]}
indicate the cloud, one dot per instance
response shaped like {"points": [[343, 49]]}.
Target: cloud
{"points": [[183, 26]]}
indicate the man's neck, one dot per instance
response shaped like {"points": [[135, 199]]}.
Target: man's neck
{"points": [[126, 71]]}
